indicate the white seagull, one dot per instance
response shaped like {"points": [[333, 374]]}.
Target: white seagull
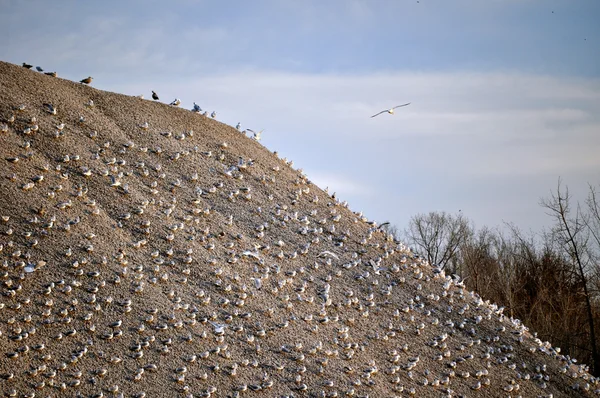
{"points": [[256, 135], [176, 102], [391, 110]]}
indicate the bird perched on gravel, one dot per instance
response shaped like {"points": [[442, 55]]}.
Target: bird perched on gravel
{"points": [[154, 96], [391, 110], [196, 108], [87, 80], [39, 68], [213, 114], [53, 74], [50, 109], [27, 66], [176, 102], [238, 126]]}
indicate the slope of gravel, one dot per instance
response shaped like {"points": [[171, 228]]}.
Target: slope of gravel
{"points": [[183, 259]]}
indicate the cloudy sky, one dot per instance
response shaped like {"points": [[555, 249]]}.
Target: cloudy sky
{"points": [[505, 93]]}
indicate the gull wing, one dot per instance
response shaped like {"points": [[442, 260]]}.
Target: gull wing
{"points": [[377, 114], [400, 106]]}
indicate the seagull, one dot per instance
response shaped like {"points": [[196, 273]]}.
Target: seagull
{"points": [[196, 108], [29, 268], [39, 68], [328, 253], [87, 80], [213, 114], [26, 65], [256, 135], [50, 109], [154, 96], [53, 74], [219, 328], [238, 126], [391, 110], [176, 102], [385, 224]]}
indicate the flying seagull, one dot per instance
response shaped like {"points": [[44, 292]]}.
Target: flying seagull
{"points": [[391, 110], [87, 80], [256, 135], [154, 96]]}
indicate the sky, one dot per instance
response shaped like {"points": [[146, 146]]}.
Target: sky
{"points": [[505, 94]]}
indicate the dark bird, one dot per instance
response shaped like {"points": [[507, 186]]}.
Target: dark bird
{"points": [[53, 74], [50, 109], [391, 110], [87, 80], [27, 66], [39, 68], [154, 96]]}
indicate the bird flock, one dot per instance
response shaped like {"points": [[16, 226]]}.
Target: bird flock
{"points": [[147, 252]]}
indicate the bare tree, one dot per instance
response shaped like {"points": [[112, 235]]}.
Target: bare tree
{"points": [[438, 235], [515, 254], [593, 221], [572, 233], [478, 262]]}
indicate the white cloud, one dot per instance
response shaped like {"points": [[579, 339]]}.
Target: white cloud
{"points": [[340, 184]]}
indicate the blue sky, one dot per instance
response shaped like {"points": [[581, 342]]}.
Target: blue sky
{"points": [[505, 93]]}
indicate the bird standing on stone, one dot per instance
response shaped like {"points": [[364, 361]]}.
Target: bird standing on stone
{"points": [[53, 74], [39, 68], [154, 96], [27, 66], [87, 80], [391, 110], [176, 102], [196, 108], [213, 114], [238, 126]]}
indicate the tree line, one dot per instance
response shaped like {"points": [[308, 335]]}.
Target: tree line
{"points": [[549, 280]]}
